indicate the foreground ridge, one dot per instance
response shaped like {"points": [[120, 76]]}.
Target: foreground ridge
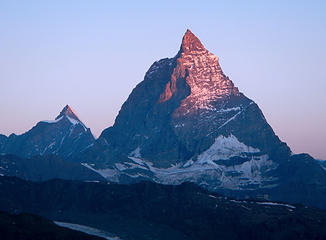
{"points": [[182, 212]]}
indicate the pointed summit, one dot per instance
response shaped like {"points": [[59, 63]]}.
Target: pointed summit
{"points": [[191, 43], [68, 111]]}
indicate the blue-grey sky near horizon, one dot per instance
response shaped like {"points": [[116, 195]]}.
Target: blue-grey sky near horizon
{"points": [[91, 54]]}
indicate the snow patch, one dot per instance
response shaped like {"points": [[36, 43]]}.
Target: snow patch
{"points": [[88, 230], [276, 204], [188, 163], [224, 148], [120, 166], [223, 110], [135, 153], [229, 120], [73, 121], [52, 121], [108, 173], [50, 146]]}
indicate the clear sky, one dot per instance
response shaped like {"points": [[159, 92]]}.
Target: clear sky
{"points": [[91, 54]]}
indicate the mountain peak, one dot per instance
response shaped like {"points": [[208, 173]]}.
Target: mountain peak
{"points": [[191, 43], [68, 111]]}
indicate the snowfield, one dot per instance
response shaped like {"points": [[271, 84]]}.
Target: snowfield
{"points": [[216, 165], [88, 230]]}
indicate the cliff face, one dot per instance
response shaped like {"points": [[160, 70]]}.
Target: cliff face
{"points": [[186, 121]]}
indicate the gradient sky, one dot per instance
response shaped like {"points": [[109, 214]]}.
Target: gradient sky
{"points": [[91, 54]]}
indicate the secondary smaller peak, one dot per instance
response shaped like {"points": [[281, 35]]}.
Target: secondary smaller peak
{"points": [[68, 111]]}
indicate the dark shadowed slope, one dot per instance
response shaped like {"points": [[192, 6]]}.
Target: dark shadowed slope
{"points": [[152, 211], [41, 168], [26, 226]]}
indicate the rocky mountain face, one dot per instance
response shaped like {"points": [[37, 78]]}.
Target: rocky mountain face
{"points": [[186, 121], [152, 211], [64, 136]]}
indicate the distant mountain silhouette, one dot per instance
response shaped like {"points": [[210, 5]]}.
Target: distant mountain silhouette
{"points": [[64, 136]]}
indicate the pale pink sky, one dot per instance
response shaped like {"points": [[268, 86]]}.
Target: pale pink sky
{"points": [[92, 54]]}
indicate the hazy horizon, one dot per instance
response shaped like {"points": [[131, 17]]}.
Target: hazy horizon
{"points": [[91, 56]]}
